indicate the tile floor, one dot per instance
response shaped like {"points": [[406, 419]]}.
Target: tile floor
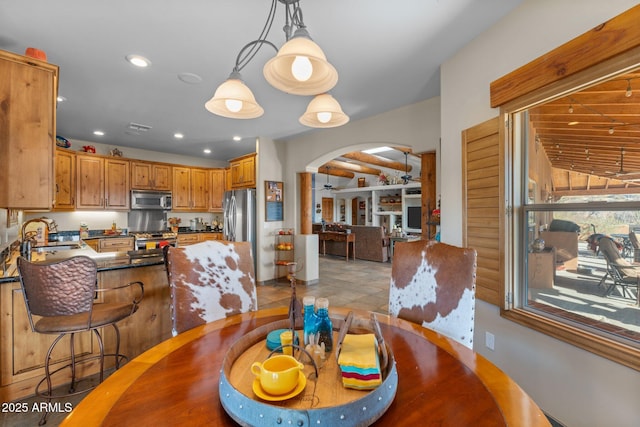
{"points": [[358, 284]]}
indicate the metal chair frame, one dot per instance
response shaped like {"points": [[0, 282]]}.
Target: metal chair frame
{"points": [[30, 275]]}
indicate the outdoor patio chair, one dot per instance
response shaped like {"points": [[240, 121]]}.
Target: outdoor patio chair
{"points": [[433, 284], [619, 270], [209, 281]]}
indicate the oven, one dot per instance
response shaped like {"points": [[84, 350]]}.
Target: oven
{"points": [[147, 241]]}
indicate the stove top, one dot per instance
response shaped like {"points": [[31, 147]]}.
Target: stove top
{"points": [[140, 235]]}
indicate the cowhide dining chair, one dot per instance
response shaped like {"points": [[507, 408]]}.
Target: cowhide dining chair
{"points": [[209, 281], [433, 284]]}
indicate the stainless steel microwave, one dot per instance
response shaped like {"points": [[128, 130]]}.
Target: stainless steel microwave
{"points": [[151, 200]]}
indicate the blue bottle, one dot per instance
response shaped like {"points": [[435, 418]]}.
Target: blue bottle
{"points": [[324, 327], [310, 318]]}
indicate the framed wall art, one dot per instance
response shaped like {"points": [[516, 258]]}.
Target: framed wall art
{"points": [[274, 200]]}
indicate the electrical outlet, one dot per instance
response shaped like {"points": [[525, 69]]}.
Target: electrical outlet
{"points": [[490, 340]]}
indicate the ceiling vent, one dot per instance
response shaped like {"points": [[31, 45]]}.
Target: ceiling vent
{"points": [[138, 128]]}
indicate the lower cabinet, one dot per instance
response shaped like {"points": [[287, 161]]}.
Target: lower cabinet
{"points": [[22, 351], [191, 238]]}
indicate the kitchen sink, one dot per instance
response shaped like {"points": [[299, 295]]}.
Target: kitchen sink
{"points": [[61, 246]]}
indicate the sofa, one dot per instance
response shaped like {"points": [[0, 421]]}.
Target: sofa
{"points": [[372, 244]]}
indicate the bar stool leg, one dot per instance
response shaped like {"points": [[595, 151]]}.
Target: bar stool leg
{"points": [[72, 346]]}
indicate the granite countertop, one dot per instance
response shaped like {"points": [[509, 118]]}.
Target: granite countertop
{"points": [[106, 260]]}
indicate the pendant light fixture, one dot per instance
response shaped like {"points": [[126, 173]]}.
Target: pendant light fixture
{"points": [[324, 112], [300, 67]]}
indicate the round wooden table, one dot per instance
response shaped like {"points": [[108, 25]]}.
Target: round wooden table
{"points": [[440, 382]]}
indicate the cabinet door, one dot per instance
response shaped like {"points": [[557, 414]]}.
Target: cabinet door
{"points": [[161, 177], [90, 182], [65, 180], [27, 132], [117, 184], [217, 189], [249, 172], [236, 174], [199, 190], [181, 188], [141, 175]]}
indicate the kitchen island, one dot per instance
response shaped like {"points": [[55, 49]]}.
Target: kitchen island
{"points": [[23, 352]]}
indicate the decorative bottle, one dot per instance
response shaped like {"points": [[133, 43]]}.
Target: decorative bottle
{"points": [[324, 328], [310, 317]]}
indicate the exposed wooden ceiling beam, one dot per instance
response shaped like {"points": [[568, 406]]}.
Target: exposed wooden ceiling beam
{"points": [[375, 160], [336, 172], [353, 167], [406, 150]]}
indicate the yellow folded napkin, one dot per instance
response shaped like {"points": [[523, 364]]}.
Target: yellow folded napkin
{"points": [[360, 351]]}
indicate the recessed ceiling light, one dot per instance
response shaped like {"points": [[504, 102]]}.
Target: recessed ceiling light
{"points": [[178, 135], [61, 98], [207, 151], [190, 78], [237, 138], [138, 61], [98, 132]]}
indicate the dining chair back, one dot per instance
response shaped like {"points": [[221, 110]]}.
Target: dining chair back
{"points": [[208, 281], [60, 300], [433, 284], [619, 270]]}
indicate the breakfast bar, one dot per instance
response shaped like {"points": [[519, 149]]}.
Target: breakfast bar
{"points": [[440, 382]]}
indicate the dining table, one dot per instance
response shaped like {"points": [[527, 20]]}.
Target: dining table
{"points": [[440, 382]]}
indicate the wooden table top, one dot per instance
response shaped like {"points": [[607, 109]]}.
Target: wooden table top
{"points": [[440, 382]]}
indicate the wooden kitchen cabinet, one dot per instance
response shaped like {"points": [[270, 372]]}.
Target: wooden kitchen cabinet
{"points": [[190, 189], [243, 171], [65, 190], [28, 90], [102, 183], [188, 239], [116, 244], [217, 184], [150, 176]]}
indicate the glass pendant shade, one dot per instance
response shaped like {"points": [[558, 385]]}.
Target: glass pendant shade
{"points": [[293, 59], [324, 112], [233, 99]]}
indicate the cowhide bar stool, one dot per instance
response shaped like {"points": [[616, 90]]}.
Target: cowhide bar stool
{"points": [[209, 281], [433, 284], [60, 298]]}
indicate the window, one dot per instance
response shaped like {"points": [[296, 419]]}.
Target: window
{"points": [[575, 217]]}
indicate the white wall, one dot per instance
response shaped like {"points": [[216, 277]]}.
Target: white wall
{"points": [[575, 386], [269, 168]]}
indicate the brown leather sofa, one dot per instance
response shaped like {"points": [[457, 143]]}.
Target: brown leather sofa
{"points": [[371, 242]]}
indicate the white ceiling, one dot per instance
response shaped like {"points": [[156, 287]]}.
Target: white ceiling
{"points": [[387, 54]]}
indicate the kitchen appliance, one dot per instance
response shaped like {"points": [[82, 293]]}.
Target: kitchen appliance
{"points": [[196, 224], [150, 200], [148, 223], [239, 208]]}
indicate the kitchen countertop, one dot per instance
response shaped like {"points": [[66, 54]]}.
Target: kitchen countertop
{"points": [[106, 260]]}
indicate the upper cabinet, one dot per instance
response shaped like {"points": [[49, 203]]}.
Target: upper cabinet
{"points": [[243, 171], [150, 176], [217, 185], [190, 189], [65, 189], [28, 90], [102, 183]]}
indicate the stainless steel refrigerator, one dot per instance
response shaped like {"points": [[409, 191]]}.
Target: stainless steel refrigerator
{"points": [[240, 217]]}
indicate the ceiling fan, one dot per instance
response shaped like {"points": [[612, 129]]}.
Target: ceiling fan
{"points": [[406, 177], [622, 173], [328, 185]]}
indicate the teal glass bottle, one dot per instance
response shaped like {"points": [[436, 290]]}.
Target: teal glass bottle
{"points": [[310, 318], [324, 327]]}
